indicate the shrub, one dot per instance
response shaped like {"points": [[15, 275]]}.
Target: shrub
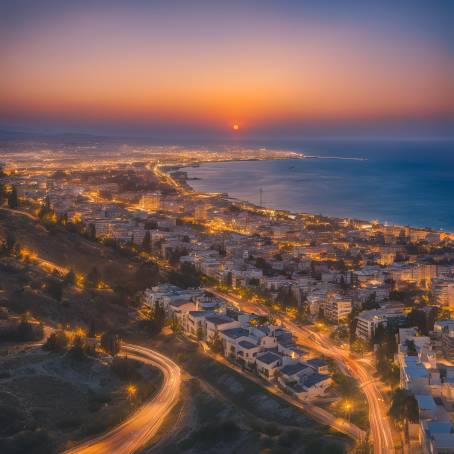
{"points": [[56, 342]]}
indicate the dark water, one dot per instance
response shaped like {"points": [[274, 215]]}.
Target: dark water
{"points": [[408, 182]]}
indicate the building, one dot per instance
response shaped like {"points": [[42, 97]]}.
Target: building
{"points": [[337, 309], [369, 321], [200, 212], [447, 341], [414, 377], [151, 201], [443, 292], [267, 364]]}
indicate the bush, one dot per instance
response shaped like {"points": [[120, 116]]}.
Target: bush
{"points": [[30, 442], [126, 369], [271, 429], [111, 343], [12, 419], [56, 342], [77, 350], [23, 332]]}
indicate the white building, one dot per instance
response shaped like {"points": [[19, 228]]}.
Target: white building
{"points": [[337, 308]]}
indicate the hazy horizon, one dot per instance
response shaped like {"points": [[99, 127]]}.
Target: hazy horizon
{"points": [[170, 69]]}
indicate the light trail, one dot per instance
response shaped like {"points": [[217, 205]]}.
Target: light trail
{"points": [[140, 428], [378, 418]]}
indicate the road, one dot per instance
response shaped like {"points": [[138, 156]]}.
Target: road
{"points": [[319, 414], [379, 423], [142, 426]]}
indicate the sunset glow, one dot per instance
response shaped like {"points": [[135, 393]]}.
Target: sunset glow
{"points": [[199, 66]]}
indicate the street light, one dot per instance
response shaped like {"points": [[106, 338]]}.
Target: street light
{"points": [[132, 391], [348, 407]]}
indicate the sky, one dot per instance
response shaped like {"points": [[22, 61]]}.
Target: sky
{"points": [[276, 68]]}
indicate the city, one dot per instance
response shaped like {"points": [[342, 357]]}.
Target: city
{"points": [[346, 320], [226, 227]]}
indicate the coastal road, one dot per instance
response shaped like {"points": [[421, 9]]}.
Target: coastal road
{"points": [[139, 429], [379, 423]]}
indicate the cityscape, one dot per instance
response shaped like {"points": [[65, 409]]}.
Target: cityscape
{"points": [[141, 314]]}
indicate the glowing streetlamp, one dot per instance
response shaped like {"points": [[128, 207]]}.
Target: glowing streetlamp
{"points": [[348, 408], [132, 391]]}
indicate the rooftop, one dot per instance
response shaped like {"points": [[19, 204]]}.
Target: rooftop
{"points": [[235, 333], [313, 379], [426, 402], [246, 344], [317, 362], [443, 441], [269, 358], [292, 369], [219, 319]]}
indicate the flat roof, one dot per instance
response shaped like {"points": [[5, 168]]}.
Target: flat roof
{"points": [[246, 344], [219, 319], [235, 333], [426, 402], [268, 358], [317, 362], [292, 369], [313, 379], [444, 440]]}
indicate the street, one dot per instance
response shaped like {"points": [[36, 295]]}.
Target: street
{"points": [[142, 426], [379, 424]]}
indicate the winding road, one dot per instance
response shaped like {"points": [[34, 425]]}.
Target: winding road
{"points": [[379, 423], [142, 426]]}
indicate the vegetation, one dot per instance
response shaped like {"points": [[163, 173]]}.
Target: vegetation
{"points": [[216, 344], [186, 277], [111, 343], [56, 342], [23, 331], [385, 349], [404, 406], [13, 201]]}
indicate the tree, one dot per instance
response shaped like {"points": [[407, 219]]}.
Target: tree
{"points": [[175, 325], [93, 278], [45, 209], [92, 329], [411, 347], [13, 201], [56, 342], [33, 442], [359, 346], [54, 287], [423, 320], [159, 315], [111, 343], [403, 406], [371, 302], [2, 193], [9, 242], [187, 277], [146, 243], [70, 278], [77, 350], [91, 231], [216, 343]]}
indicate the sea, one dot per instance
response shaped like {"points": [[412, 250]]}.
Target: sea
{"points": [[405, 182]]}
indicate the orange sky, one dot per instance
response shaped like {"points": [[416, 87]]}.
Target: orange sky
{"points": [[145, 65]]}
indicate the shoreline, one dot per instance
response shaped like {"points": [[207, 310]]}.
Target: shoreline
{"points": [[288, 213]]}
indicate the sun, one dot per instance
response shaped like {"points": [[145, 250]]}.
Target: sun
{"points": [[236, 127]]}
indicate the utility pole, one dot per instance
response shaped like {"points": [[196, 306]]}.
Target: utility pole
{"points": [[260, 197]]}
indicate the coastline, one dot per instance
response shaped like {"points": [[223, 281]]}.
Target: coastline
{"points": [[290, 214]]}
